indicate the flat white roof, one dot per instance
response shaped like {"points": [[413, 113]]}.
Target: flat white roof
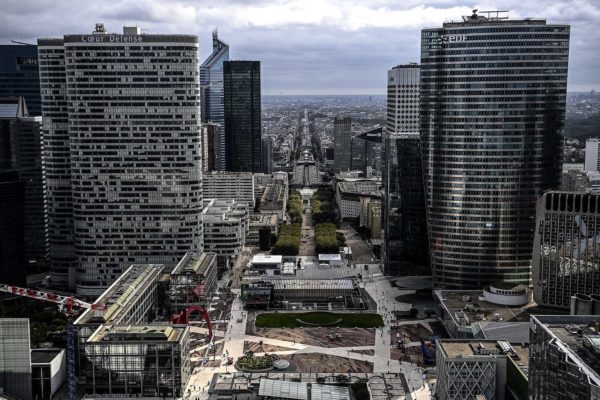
{"points": [[283, 389], [330, 257], [266, 259]]}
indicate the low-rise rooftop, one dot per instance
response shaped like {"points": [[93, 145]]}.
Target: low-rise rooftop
{"points": [[44, 356], [267, 259], [465, 348], [312, 284], [120, 295], [165, 333], [580, 337], [194, 263]]}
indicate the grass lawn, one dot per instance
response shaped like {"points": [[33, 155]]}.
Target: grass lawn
{"points": [[338, 320]]}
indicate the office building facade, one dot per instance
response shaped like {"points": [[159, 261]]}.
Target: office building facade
{"points": [[566, 255], [19, 75], [238, 186], [592, 155], [405, 245], [564, 354], [15, 358], [267, 155], [243, 128], [211, 84], [492, 121], [21, 152], [122, 115], [342, 144]]}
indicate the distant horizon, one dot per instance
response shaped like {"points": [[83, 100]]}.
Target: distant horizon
{"points": [[380, 94]]}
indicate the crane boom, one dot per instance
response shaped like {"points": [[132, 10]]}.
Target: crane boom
{"points": [[66, 304]]}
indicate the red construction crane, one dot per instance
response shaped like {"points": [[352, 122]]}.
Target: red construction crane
{"points": [[68, 305]]}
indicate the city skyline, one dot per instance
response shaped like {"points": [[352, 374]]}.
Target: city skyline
{"points": [[310, 47]]}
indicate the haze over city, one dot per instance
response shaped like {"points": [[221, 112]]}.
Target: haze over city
{"points": [[307, 46]]}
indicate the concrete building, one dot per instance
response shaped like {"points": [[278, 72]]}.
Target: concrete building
{"points": [[19, 74], [226, 226], [48, 372], [15, 358], [243, 128], [274, 200], [238, 186], [564, 357], [130, 300], [158, 361], [566, 257], [211, 89], [575, 181], [373, 219], [261, 221], [123, 153], [342, 142], [21, 144], [193, 281], [312, 290], [492, 369], [592, 155], [350, 196], [481, 183], [266, 263], [267, 155]]}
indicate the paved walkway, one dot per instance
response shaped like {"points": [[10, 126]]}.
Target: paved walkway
{"points": [[234, 337]]}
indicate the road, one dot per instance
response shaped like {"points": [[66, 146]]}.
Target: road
{"points": [[307, 240]]}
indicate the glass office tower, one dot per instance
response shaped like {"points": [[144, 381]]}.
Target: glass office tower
{"points": [[566, 250], [342, 144], [493, 96], [19, 75], [405, 246], [243, 130], [21, 152], [211, 84]]}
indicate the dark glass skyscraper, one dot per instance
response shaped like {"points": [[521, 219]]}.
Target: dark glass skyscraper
{"points": [[342, 144], [19, 75], [211, 84], [12, 234], [243, 130], [405, 249], [493, 96], [21, 152]]}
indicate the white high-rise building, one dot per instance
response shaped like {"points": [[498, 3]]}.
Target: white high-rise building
{"points": [[123, 153], [592, 155], [403, 99]]}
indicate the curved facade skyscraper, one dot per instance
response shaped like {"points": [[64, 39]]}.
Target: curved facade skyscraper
{"points": [[493, 94]]}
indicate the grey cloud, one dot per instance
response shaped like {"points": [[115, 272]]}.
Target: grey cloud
{"points": [[304, 53]]}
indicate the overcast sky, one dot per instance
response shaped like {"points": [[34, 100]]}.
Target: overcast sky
{"points": [[306, 46]]}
